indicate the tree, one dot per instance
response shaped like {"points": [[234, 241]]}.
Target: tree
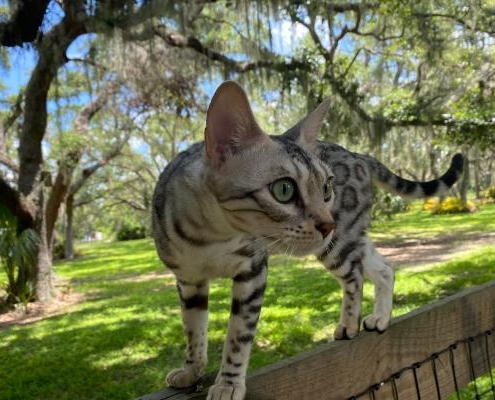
{"points": [[387, 66], [26, 200]]}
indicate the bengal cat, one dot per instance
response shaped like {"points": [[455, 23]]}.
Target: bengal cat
{"points": [[221, 207]]}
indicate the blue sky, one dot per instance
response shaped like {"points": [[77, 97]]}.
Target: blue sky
{"points": [[23, 58], [22, 62]]}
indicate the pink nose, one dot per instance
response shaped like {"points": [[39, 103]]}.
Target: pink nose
{"points": [[325, 228]]}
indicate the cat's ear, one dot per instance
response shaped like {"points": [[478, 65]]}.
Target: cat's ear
{"points": [[306, 131], [230, 124]]}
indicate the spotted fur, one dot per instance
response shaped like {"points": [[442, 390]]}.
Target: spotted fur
{"points": [[222, 206]]}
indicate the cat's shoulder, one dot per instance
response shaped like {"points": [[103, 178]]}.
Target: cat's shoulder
{"points": [[331, 152], [187, 156]]}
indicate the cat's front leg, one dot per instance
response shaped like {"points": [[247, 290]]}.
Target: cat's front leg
{"points": [[248, 289], [350, 312], [382, 275], [194, 308]]}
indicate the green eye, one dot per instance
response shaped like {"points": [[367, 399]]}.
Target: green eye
{"points": [[327, 190], [283, 190]]}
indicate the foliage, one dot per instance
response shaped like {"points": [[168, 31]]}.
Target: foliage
{"points": [[128, 232], [449, 205], [404, 78], [17, 254], [386, 205], [127, 332], [58, 251], [490, 193]]}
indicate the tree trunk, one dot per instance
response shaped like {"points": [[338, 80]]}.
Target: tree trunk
{"points": [[51, 57], [464, 184], [69, 161], [476, 175], [45, 290], [69, 251], [56, 198]]}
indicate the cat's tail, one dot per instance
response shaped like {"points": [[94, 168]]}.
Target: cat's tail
{"points": [[392, 183]]}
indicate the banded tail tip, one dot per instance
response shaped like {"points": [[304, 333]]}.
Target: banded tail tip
{"points": [[455, 170], [457, 162]]}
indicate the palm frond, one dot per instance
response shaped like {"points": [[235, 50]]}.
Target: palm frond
{"points": [[25, 248]]}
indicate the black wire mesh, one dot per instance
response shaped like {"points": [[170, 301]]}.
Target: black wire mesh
{"points": [[479, 389]]}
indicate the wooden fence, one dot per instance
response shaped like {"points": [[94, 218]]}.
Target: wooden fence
{"points": [[425, 354]]}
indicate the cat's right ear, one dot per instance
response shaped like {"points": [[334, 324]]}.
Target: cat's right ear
{"points": [[306, 131], [230, 123]]}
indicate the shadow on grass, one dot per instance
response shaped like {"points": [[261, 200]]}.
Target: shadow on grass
{"points": [[120, 343], [416, 288]]}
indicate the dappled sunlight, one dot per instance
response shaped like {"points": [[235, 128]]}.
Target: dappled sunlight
{"points": [[420, 224], [117, 260], [414, 288], [127, 333]]}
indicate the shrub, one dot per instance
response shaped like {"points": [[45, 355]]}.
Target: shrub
{"points": [[17, 255], [449, 205], [431, 204], [131, 233], [58, 251], [490, 193], [385, 205]]}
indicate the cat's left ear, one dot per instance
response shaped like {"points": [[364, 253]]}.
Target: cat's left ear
{"points": [[230, 124], [306, 131]]}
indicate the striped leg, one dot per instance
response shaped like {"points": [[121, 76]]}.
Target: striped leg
{"points": [[248, 289], [382, 275], [194, 307], [352, 287], [344, 261]]}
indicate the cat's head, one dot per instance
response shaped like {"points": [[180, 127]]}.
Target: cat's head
{"points": [[273, 188]]}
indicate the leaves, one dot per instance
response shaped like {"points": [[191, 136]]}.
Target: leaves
{"points": [[18, 253]]}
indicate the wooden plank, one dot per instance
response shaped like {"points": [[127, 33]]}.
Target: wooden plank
{"points": [[339, 370], [196, 392]]}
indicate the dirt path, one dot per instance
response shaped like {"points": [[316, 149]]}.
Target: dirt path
{"points": [[400, 255], [426, 251]]}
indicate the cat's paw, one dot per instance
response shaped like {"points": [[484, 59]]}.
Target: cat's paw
{"points": [[183, 377], [375, 322], [343, 332], [222, 391]]}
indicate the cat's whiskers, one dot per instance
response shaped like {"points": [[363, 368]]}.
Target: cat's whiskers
{"points": [[272, 244], [265, 238], [292, 249]]}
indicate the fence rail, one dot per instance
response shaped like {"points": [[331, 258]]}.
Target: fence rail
{"points": [[425, 354]]}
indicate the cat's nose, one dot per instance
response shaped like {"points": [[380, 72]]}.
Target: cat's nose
{"points": [[325, 228]]}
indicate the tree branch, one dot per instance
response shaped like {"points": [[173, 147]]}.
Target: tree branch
{"points": [[133, 204], [24, 24], [176, 39], [20, 206], [8, 162], [90, 170], [460, 21]]}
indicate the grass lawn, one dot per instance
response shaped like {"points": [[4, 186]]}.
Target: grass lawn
{"points": [[418, 224], [122, 339]]}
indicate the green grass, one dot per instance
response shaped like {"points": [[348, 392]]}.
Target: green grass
{"points": [[417, 224], [122, 339]]}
